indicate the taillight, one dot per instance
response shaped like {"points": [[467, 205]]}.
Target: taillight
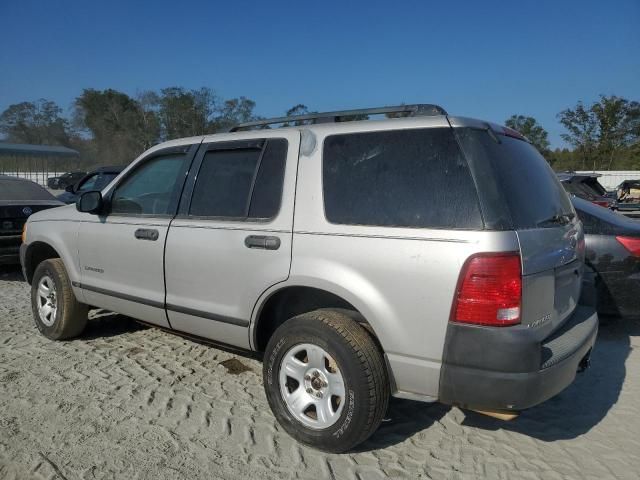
{"points": [[489, 290], [602, 203], [632, 244]]}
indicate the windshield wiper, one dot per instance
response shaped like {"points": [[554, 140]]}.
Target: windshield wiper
{"points": [[557, 219]]}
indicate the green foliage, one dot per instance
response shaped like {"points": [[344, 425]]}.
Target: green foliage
{"points": [[118, 124], [185, 113], [603, 134], [110, 127], [38, 122], [530, 128]]}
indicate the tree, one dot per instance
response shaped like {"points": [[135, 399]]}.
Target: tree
{"points": [[299, 109], [185, 113], [530, 128], [120, 127], [603, 131], [618, 126], [38, 122], [233, 112]]}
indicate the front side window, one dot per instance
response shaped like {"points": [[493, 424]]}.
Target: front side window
{"points": [[401, 178], [241, 183], [151, 189]]}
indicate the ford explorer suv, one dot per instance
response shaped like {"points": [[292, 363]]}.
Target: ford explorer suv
{"points": [[420, 255]]}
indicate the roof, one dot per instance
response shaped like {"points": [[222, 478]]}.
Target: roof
{"points": [[36, 150]]}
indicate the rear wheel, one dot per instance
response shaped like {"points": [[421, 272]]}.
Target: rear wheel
{"points": [[326, 380], [57, 312]]}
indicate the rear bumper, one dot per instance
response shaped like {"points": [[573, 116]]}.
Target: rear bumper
{"points": [[492, 376]]}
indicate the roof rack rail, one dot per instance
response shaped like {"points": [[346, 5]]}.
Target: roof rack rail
{"points": [[414, 110]]}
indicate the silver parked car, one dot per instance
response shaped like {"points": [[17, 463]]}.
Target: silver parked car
{"points": [[426, 256]]}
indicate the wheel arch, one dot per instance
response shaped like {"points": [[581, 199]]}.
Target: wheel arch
{"points": [[287, 300], [36, 253]]}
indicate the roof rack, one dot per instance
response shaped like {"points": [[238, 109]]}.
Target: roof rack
{"points": [[419, 109]]}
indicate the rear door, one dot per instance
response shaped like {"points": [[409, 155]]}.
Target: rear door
{"points": [[522, 193], [232, 237]]}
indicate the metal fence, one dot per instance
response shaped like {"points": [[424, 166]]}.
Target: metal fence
{"points": [[35, 176], [37, 162]]}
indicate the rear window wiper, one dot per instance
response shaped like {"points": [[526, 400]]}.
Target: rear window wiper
{"points": [[557, 219]]}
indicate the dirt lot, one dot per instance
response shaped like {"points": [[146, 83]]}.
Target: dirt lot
{"points": [[126, 401]]}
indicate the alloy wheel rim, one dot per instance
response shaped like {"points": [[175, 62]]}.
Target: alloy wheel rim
{"points": [[47, 301], [312, 386]]}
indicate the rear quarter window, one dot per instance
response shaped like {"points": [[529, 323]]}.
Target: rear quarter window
{"points": [[515, 181], [401, 178]]}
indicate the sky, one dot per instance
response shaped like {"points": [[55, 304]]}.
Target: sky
{"points": [[484, 59]]}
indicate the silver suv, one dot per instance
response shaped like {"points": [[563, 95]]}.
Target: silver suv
{"points": [[424, 256]]}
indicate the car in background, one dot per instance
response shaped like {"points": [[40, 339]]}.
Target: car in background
{"points": [[19, 198], [628, 198], [612, 244], [95, 180], [64, 180], [586, 186]]}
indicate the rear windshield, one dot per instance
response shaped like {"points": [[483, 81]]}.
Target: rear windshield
{"points": [[401, 178], [22, 190], [519, 182]]}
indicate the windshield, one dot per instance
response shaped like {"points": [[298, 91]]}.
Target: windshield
{"points": [[520, 177], [22, 190]]}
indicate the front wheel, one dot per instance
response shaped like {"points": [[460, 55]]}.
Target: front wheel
{"points": [[57, 312], [325, 380]]}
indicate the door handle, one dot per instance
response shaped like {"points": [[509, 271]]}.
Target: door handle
{"points": [[263, 242], [147, 234]]}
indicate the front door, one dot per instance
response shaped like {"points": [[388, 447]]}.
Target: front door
{"points": [[232, 237], [121, 252]]}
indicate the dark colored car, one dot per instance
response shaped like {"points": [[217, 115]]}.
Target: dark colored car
{"points": [[19, 198], [613, 252], [586, 185], [95, 180], [63, 181]]}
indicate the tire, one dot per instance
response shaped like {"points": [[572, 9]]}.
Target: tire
{"points": [[69, 317], [348, 352]]}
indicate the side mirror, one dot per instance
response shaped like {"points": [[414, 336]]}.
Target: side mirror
{"points": [[70, 188], [90, 202]]}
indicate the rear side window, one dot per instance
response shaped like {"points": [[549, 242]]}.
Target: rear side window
{"points": [[402, 178], [513, 176], [241, 183]]}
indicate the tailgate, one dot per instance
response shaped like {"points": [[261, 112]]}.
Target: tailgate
{"points": [[552, 260]]}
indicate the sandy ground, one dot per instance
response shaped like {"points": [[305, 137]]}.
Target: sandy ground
{"points": [[126, 401]]}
